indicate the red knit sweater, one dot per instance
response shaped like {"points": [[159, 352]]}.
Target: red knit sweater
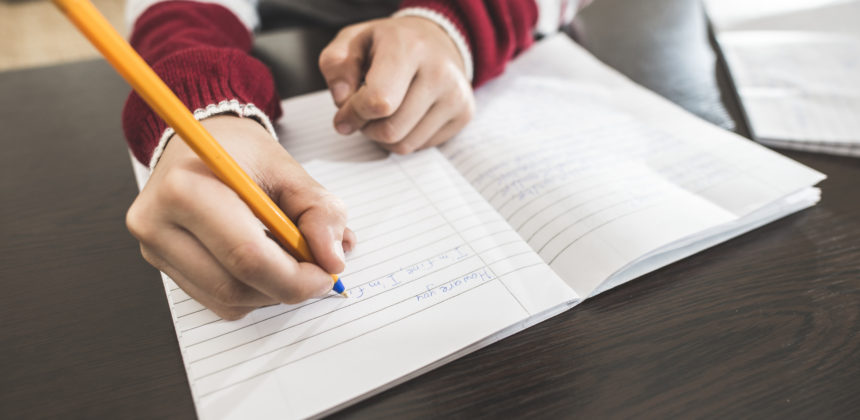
{"points": [[202, 52]]}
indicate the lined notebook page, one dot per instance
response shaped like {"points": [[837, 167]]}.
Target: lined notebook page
{"points": [[306, 132], [593, 189], [436, 273]]}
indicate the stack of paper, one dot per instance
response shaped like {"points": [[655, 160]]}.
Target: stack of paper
{"points": [[796, 65]]}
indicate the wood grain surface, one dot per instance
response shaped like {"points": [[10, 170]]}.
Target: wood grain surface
{"points": [[84, 324], [763, 326]]}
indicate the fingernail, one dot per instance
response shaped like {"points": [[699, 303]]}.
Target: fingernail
{"points": [[343, 128], [338, 250], [339, 91]]}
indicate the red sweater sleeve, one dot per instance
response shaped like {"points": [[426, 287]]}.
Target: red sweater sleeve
{"points": [[496, 30], [202, 52]]}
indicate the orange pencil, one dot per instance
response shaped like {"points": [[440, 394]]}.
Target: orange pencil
{"points": [[164, 102]]}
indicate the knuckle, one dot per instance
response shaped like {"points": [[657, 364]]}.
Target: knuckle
{"points": [[419, 42], [331, 57], [387, 131], [246, 260], [227, 293], [469, 110], [149, 256], [460, 98], [435, 71], [174, 189], [137, 223], [464, 102], [331, 207], [334, 205], [379, 105]]}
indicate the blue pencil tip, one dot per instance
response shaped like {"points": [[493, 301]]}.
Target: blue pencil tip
{"points": [[338, 286]]}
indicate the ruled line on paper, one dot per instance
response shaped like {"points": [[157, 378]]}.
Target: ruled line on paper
{"points": [[357, 336], [307, 132], [394, 257], [352, 302], [459, 232], [307, 320], [588, 168], [354, 291]]}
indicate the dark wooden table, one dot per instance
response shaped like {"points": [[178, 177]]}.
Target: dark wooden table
{"points": [[766, 325]]}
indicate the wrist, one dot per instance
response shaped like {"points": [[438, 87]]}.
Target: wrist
{"points": [[227, 108], [240, 137], [439, 39], [451, 31]]}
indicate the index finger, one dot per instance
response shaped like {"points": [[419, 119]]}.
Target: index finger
{"points": [[392, 69], [226, 227], [342, 62]]}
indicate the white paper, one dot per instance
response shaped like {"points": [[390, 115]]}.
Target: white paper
{"points": [[796, 65], [805, 15], [567, 162], [594, 189]]}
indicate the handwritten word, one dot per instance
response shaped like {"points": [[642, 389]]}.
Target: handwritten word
{"points": [[408, 273], [458, 283]]}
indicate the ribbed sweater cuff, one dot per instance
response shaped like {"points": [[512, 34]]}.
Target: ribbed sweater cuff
{"points": [[200, 76]]}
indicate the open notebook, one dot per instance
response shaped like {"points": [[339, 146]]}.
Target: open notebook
{"points": [[570, 180]]}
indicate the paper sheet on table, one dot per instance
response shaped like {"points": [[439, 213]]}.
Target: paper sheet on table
{"points": [[829, 16], [796, 65]]}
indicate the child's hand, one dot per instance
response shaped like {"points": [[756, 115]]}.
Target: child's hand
{"points": [[400, 81], [197, 230]]}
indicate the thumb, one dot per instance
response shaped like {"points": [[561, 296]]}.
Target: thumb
{"points": [[343, 62], [323, 225], [319, 215]]}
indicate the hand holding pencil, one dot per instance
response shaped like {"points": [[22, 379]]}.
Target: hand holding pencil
{"points": [[197, 216], [195, 229]]}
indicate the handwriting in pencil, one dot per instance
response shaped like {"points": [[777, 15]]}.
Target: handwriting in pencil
{"points": [[478, 276], [409, 273]]}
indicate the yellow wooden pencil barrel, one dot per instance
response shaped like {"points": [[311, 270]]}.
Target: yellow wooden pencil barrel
{"points": [[164, 102]]}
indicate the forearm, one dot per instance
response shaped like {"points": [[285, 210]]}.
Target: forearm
{"points": [[201, 51]]}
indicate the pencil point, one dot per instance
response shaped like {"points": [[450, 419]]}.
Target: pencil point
{"points": [[338, 285], [344, 294]]}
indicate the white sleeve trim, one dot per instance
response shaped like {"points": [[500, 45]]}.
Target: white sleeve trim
{"points": [[231, 106], [450, 29], [245, 10]]}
